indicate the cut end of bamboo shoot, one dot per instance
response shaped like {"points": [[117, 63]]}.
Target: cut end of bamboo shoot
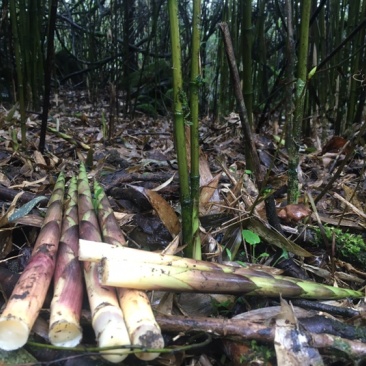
{"points": [[65, 334], [148, 336], [14, 333], [142, 327], [111, 331]]}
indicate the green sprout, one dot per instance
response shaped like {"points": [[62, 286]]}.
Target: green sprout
{"points": [[252, 239]]}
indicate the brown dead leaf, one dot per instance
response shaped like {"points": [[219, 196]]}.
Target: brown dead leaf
{"points": [[6, 242], [163, 209], [207, 192], [4, 180], [173, 247], [39, 159], [29, 184], [6, 237], [208, 182], [350, 196], [205, 171]]}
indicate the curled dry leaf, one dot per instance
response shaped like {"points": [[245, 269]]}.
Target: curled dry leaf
{"points": [[163, 209], [294, 212], [207, 192], [6, 236]]}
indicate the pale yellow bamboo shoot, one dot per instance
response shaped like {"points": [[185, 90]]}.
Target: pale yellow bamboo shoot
{"points": [[108, 321], [140, 321]]}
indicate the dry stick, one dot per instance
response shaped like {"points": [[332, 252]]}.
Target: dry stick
{"points": [[140, 321], [246, 329], [64, 329], [30, 291], [350, 205], [107, 317], [249, 146]]}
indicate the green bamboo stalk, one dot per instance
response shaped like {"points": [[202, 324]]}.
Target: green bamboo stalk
{"points": [[142, 327], [107, 317], [247, 42], [30, 291], [179, 126], [341, 58], [65, 310], [291, 58], [49, 66], [19, 70], [251, 156], [224, 98], [173, 273], [260, 74], [300, 93], [194, 250], [358, 13]]}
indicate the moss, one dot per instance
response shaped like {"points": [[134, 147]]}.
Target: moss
{"points": [[350, 247]]}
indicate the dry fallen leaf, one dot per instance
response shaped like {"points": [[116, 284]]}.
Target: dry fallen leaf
{"points": [[163, 209], [291, 343]]}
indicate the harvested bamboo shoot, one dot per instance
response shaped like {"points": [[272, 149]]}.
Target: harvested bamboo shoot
{"points": [[30, 291], [144, 331], [65, 330], [95, 251], [107, 317], [147, 276], [153, 271]]}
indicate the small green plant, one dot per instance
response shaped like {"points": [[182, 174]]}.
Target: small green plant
{"points": [[350, 247], [253, 240], [222, 307], [229, 254], [284, 255], [258, 352]]}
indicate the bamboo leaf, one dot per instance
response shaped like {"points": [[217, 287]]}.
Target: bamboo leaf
{"points": [[25, 209]]}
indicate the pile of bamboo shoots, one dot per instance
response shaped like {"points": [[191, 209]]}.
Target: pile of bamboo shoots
{"points": [[120, 317], [116, 277]]}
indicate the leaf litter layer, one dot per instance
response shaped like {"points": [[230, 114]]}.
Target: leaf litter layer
{"points": [[320, 242]]}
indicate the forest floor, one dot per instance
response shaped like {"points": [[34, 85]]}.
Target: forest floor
{"points": [[321, 242]]}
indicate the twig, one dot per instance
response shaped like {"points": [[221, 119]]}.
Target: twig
{"points": [[350, 205], [246, 329]]}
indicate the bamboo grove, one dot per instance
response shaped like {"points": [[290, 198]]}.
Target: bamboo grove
{"points": [[288, 57], [129, 47]]}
